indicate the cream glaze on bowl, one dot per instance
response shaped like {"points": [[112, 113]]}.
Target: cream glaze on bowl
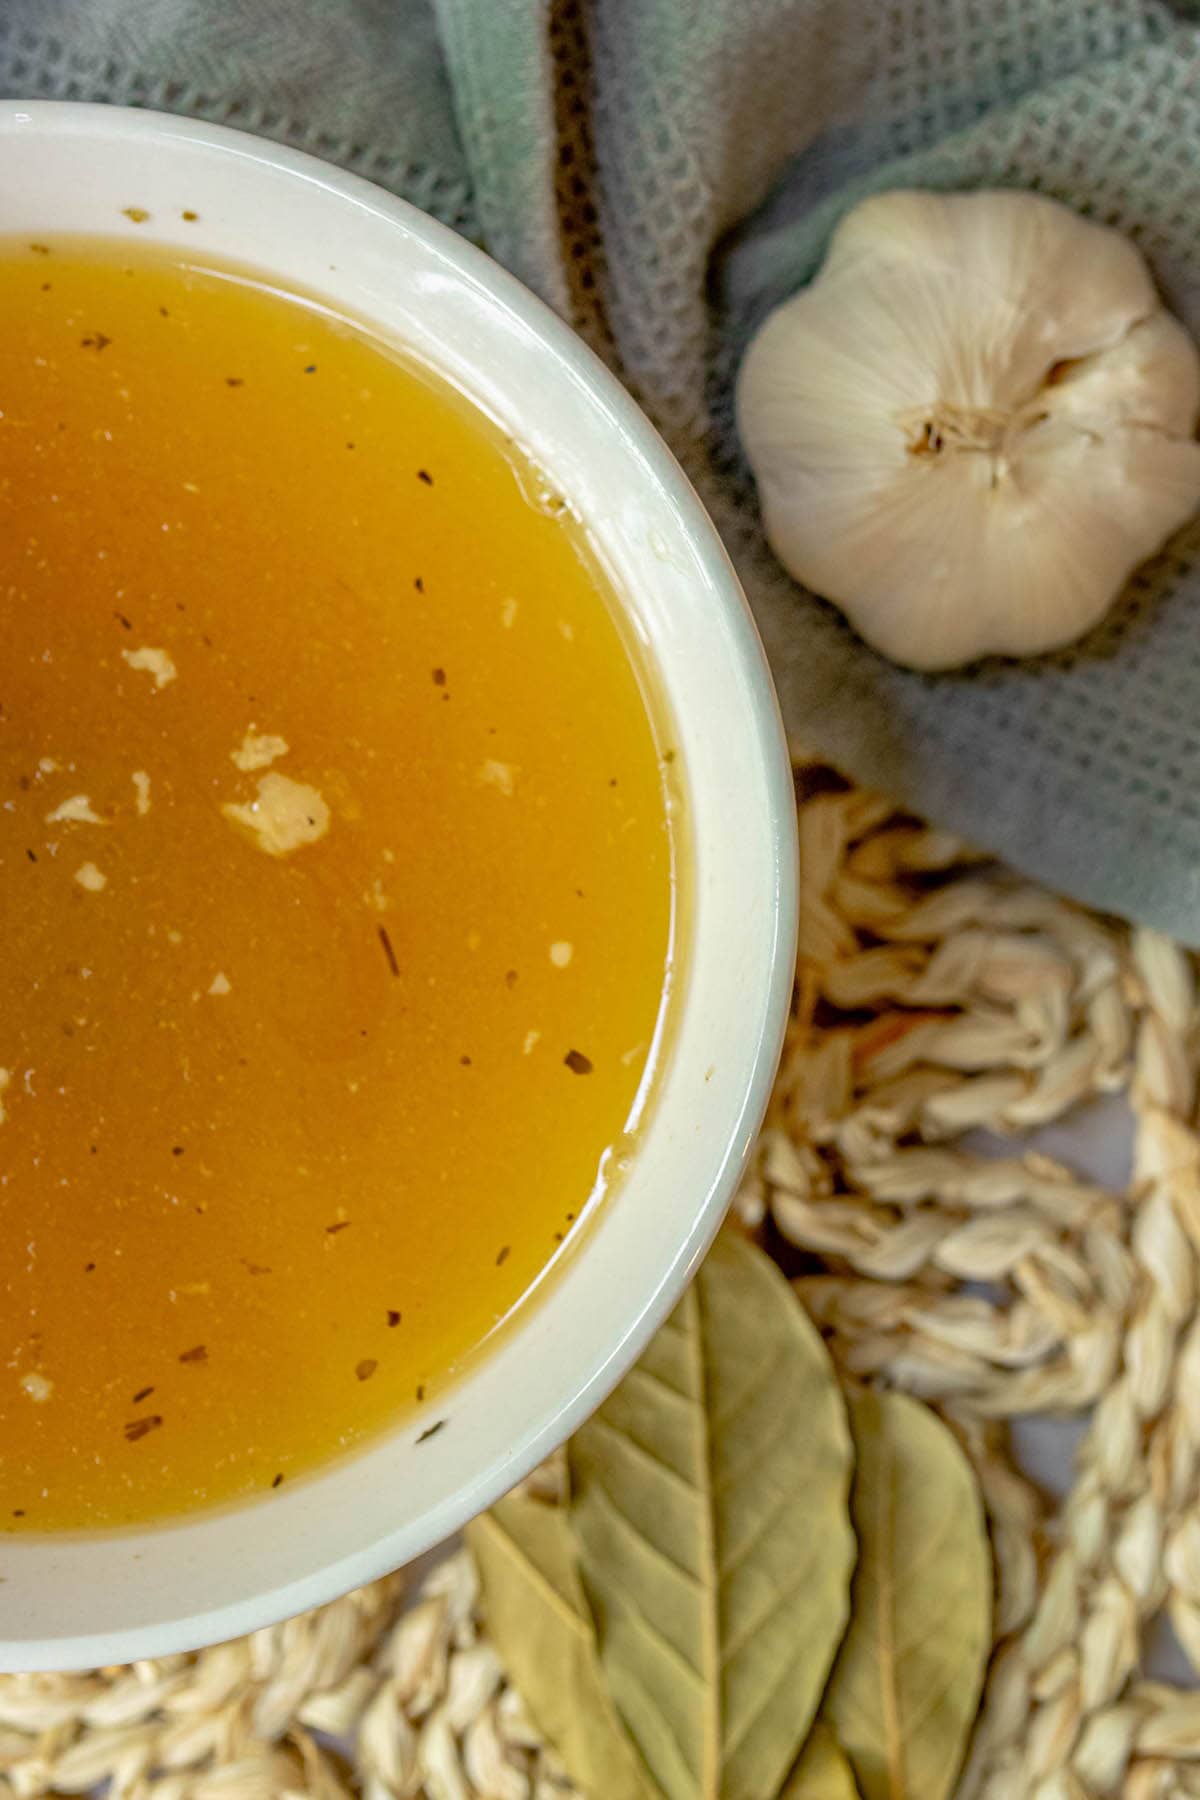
{"points": [[76, 1601]]}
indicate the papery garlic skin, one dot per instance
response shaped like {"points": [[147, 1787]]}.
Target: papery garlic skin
{"points": [[973, 425]]}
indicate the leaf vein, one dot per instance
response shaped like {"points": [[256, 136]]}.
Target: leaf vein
{"points": [[759, 1377], [627, 1525], [646, 1455], [762, 1700], [776, 1603], [639, 1372], [752, 1540]]}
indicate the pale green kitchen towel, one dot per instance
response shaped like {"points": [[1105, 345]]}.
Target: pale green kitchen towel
{"points": [[662, 171]]}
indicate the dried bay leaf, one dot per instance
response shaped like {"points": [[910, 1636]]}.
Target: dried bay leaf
{"points": [[822, 1772], [710, 1505], [905, 1687], [539, 1618]]}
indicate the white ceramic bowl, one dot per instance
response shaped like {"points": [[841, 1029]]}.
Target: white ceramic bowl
{"points": [[73, 1601]]}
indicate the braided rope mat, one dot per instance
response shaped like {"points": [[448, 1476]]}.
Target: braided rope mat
{"points": [[936, 996]]}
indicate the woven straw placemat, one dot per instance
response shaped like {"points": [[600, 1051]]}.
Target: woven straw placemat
{"points": [[936, 995]]}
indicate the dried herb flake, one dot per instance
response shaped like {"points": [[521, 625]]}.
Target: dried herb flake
{"points": [[388, 951], [140, 1428]]}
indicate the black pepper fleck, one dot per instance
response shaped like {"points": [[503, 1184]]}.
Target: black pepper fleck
{"points": [[388, 951], [278, 1481], [425, 476], [393, 1318], [439, 678], [140, 1428]]}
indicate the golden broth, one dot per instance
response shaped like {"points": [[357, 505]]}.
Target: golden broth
{"points": [[336, 885]]}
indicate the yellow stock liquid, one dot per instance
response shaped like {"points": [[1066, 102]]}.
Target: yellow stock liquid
{"points": [[335, 876]]}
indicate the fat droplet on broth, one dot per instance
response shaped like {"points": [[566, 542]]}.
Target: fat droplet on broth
{"points": [[539, 491]]}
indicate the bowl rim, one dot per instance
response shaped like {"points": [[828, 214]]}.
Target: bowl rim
{"points": [[328, 1579]]}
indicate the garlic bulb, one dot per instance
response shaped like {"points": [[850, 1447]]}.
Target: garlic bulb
{"points": [[973, 425]]}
